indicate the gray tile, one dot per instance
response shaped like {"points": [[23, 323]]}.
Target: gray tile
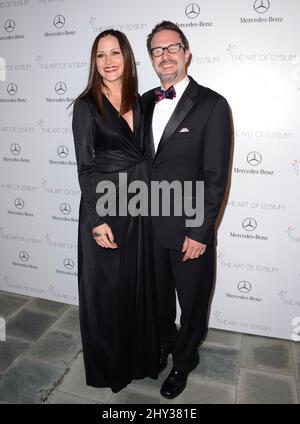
{"points": [[258, 387], [132, 396], [57, 397], [266, 354], [74, 383], [10, 303], [296, 351], [10, 350], [69, 321], [297, 372], [47, 306], [56, 348], [205, 392], [149, 384], [29, 325], [218, 364], [28, 382], [224, 338], [197, 390]]}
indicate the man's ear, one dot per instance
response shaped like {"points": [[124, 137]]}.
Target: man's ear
{"points": [[188, 57]]}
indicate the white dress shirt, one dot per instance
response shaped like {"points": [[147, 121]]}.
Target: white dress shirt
{"points": [[164, 109]]}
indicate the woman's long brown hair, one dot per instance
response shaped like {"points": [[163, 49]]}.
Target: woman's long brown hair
{"points": [[95, 83]]}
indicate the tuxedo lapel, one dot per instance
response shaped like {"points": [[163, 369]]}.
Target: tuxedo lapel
{"points": [[183, 107]]}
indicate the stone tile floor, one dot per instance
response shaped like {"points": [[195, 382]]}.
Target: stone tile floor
{"points": [[41, 362]]}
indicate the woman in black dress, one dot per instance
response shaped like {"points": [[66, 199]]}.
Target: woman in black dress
{"points": [[116, 286]]}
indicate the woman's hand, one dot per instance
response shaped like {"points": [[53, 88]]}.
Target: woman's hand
{"points": [[104, 237]]}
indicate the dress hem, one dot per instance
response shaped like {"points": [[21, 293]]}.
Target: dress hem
{"points": [[118, 388]]}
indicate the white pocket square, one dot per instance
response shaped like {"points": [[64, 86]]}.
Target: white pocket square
{"points": [[184, 130]]}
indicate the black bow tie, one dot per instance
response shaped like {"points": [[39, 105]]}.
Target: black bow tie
{"points": [[160, 94]]}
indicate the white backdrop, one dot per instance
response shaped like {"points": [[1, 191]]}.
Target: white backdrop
{"points": [[248, 51]]}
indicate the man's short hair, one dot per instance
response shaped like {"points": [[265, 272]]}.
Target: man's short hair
{"points": [[169, 26]]}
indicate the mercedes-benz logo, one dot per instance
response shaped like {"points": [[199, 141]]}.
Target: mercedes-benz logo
{"points": [[23, 256], [62, 151], [19, 203], [15, 149], [68, 263], [192, 10], [254, 158], [59, 21], [60, 88], [9, 25], [65, 208], [244, 286], [12, 89], [261, 6], [249, 224]]}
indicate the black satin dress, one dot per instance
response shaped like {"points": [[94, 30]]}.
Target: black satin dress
{"points": [[116, 286]]}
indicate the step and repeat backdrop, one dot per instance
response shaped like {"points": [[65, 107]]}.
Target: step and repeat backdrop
{"points": [[248, 51]]}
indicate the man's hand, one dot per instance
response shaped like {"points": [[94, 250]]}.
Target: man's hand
{"points": [[104, 236], [192, 249]]}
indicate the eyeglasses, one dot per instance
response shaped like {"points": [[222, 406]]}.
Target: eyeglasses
{"points": [[172, 48]]}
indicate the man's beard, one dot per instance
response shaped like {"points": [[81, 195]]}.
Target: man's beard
{"points": [[166, 79]]}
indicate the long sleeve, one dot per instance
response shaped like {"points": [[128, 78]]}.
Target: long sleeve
{"points": [[216, 155], [84, 128]]}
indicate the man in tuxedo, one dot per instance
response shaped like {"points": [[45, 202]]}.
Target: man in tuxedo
{"points": [[187, 138]]}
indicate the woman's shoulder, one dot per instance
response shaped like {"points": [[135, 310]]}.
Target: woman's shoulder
{"points": [[85, 104], [84, 99], [84, 109]]}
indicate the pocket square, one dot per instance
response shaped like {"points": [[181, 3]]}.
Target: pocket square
{"points": [[184, 130]]}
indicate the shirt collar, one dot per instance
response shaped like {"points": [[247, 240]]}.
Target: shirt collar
{"points": [[181, 86]]}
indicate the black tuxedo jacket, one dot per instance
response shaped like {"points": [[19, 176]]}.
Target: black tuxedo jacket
{"points": [[200, 152]]}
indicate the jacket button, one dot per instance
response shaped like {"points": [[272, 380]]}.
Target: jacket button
{"points": [[154, 165]]}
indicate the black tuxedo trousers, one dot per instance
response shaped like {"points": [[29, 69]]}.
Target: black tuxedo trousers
{"points": [[193, 281]]}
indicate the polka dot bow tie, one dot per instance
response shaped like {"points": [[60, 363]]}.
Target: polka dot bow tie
{"points": [[160, 94]]}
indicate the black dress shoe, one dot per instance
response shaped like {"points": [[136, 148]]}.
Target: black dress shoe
{"points": [[174, 384], [163, 358]]}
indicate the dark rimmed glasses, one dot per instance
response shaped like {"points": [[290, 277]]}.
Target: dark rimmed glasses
{"points": [[172, 48]]}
